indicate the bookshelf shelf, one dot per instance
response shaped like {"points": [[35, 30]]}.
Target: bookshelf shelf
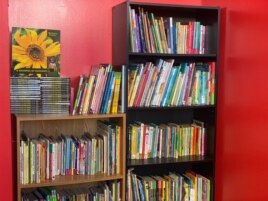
{"points": [[168, 55], [73, 180], [170, 161], [148, 36], [173, 108], [64, 131]]}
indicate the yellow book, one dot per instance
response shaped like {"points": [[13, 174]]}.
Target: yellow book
{"points": [[193, 177], [131, 82], [136, 85], [116, 92], [88, 95], [133, 150]]}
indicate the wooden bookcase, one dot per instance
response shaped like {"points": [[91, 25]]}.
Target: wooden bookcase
{"points": [[69, 125], [122, 55]]}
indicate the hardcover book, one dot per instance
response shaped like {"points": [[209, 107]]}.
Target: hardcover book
{"points": [[35, 52]]}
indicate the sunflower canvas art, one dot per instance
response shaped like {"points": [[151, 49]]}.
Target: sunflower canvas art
{"points": [[35, 52]]}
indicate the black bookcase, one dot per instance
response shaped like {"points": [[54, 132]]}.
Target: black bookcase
{"points": [[122, 55]]}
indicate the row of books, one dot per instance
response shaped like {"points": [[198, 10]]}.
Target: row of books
{"points": [[109, 191], [98, 93], [166, 140], [44, 95], [175, 187], [46, 157], [157, 34], [163, 84]]}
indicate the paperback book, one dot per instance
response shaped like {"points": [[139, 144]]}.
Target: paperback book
{"points": [[35, 52]]}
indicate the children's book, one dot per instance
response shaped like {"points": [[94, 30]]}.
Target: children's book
{"points": [[35, 52]]}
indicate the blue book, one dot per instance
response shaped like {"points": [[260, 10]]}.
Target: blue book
{"points": [[175, 37], [107, 86], [109, 93], [198, 33], [138, 33], [141, 190], [141, 31], [171, 35], [170, 85], [67, 154]]}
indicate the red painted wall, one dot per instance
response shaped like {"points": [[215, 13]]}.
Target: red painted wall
{"points": [[5, 125], [86, 33], [242, 154]]}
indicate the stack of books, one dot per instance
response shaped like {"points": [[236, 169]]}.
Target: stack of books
{"points": [[25, 95], [55, 95], [177, 187], [166, 140], [40, 95], [165, 85], [151, 34], [98, 93], [45, 157]]}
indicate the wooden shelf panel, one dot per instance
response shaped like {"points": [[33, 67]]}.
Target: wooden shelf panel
{"points": [[40, 117], [71, 180], [165, 161]]}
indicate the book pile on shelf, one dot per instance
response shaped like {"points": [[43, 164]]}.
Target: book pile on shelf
{"points": [[98, 93], [104, 191], [177, 187], [31, 95], [166, 140], [165, 85], [55, 95], [45, 157], [25, 95], [151, 34]]}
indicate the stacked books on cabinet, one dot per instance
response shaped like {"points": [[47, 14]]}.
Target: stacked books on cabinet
{"points": [[164, 84], [46, 95], [172, 186], [55, 151], [98, 93]]}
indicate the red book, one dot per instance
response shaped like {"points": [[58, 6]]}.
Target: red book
{"points": [[142, 85]]}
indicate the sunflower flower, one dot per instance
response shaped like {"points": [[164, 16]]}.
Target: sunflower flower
{"points": [[32, 50]]}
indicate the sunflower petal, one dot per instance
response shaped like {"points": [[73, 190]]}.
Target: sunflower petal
{"points": [[42, 37], [53, 50], [16, 57], [23, 59], [43, 63], [36, 65], [46, 43], [21, 42], [18, 49], [26, 41], [20, 66], [33, 36]]}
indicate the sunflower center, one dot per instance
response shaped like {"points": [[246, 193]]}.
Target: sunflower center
{"points": [[35, 52]]}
